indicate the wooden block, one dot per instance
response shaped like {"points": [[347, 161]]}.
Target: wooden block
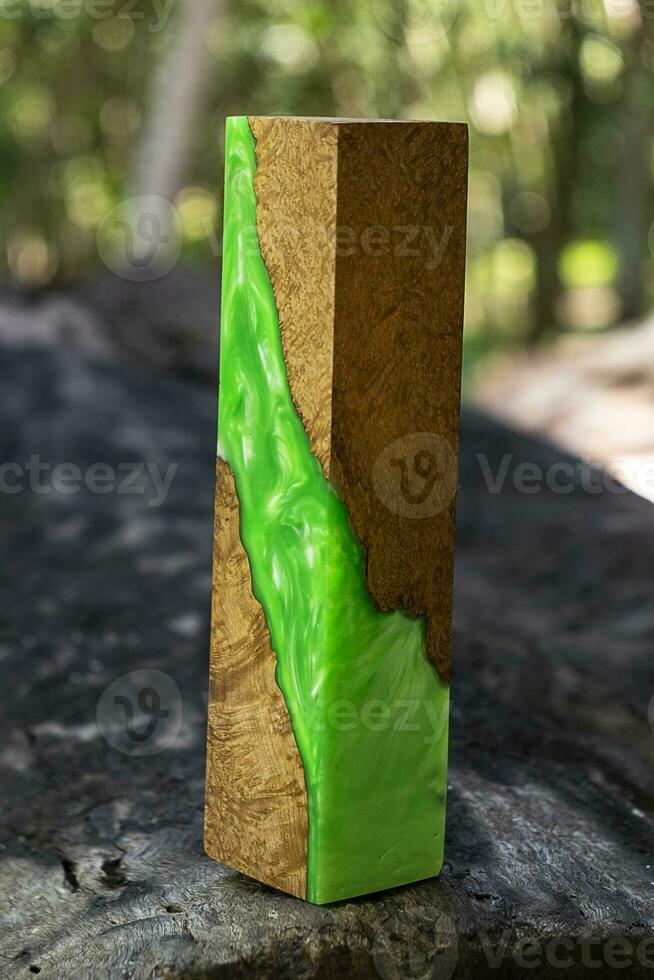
{"points": [[343, 283]]}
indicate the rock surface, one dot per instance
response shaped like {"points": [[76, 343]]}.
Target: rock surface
{"points": [[169, 322], [102, 873]]}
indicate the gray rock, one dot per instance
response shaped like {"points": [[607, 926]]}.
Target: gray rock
{"points": [[102, 873], [170, 322]]}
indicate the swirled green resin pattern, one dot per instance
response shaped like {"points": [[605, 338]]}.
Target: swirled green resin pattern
{"points": [[368, 710]]}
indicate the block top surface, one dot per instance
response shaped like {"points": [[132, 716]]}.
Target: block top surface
{"points": [[342, 121]]}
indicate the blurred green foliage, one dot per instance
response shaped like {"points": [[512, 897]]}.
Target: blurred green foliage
{"points": [[559, 97]]}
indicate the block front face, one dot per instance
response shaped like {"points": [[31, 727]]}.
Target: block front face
{"points": [[256, 817], [295, 187], [366, 708]]}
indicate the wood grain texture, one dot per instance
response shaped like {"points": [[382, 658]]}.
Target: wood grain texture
{"points": [[295, 184], [362, 227], [398, 323], [256, 808]]}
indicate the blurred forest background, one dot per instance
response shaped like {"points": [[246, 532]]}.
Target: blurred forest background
{"points": [[101, 99]]}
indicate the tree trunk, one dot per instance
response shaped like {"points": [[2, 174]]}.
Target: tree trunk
{"points": [[163, 156]]}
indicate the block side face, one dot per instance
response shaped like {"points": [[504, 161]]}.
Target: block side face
{"points": [[397, 355], [256, 805], [295, 186]]}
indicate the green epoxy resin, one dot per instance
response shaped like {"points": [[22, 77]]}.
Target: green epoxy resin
{"points": [[368, 710]]}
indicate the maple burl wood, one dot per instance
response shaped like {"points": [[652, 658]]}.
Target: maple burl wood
{"points": [[362, 230], [256, 813]]}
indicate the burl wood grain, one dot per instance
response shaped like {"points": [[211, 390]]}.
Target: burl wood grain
{"points": [[256, 807], [362, 228], [295, 185], [398, 321]]}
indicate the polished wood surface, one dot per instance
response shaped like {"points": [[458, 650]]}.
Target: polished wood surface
{"points": [[256, 809], [362, 229]]}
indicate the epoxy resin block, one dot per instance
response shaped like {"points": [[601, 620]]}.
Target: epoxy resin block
{"points": [[342, 307]]}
